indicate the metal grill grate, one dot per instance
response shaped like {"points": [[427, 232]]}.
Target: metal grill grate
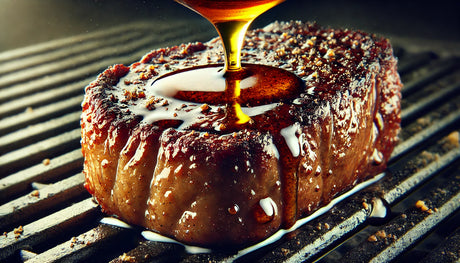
{"points": [[46, 215]]}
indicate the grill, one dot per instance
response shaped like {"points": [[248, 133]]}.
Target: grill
{"points": [[46, 215]]}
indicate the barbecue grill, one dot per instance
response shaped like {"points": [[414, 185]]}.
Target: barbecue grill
{"points": [[46, 214]]}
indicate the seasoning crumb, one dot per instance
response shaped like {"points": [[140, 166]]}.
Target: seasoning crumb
{"points": [[372, 238], [285, 251], [204, 107], [381, 234], [18, 232], [365, 205], [453, 138], [46, 161], [35, 193], [404, 216], [327, 226], [126, 258], [421, 205], [29, 109], [330, 53], [5, 234]]}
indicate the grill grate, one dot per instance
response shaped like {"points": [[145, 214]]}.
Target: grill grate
{"points": [[40, 96]]}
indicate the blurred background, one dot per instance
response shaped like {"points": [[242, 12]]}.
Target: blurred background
{"points": [[416, 25]]}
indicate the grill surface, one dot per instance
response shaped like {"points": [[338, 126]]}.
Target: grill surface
{"points": [[46, 215]]}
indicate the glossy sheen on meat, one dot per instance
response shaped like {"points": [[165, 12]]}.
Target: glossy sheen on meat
{"points": [[164, 164]]}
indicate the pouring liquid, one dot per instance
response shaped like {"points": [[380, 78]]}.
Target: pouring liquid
{"points": [[242, 84], [231, 18]]}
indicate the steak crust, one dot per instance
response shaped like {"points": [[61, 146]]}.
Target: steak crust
{"points": [[164, 164]]}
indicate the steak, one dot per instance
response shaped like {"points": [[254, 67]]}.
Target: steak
{"points": [[165, 164]]}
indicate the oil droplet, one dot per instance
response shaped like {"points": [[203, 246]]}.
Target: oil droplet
{"points": [[234, 209], [104, 163], [316, 188], [265, 210], [380, 208], [308, 169], [377, 157], [318, 170]]}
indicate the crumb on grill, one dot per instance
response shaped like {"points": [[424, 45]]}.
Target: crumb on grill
{"points": [[126, 258], [423, 207], [35, 193], [46, 161], [18, 232], [285, 251], [372, 238], [453, 139], [204, 107], [381, 234]]}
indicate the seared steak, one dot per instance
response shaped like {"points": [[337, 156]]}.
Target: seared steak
{"points": [[165, 163]]}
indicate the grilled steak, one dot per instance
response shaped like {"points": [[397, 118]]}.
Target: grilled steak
{"points": [[163, 163]]}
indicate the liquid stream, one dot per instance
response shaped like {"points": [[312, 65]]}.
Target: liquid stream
{"points": [[231, 18]]}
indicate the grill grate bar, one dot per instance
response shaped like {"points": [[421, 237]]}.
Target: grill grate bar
{"points": [[84, 245], [428, 102], [19, 182], [41, 114], [39, 151], [39, 131], [443, 67], [437, 127], [419, 230], [80, 60], [411, 63], [31, 67], [18, 105], [47, 227], [396, 192], [447, 251], [403, 231], [161, 252], [86, 65], [64, 43], [38, 200]]}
